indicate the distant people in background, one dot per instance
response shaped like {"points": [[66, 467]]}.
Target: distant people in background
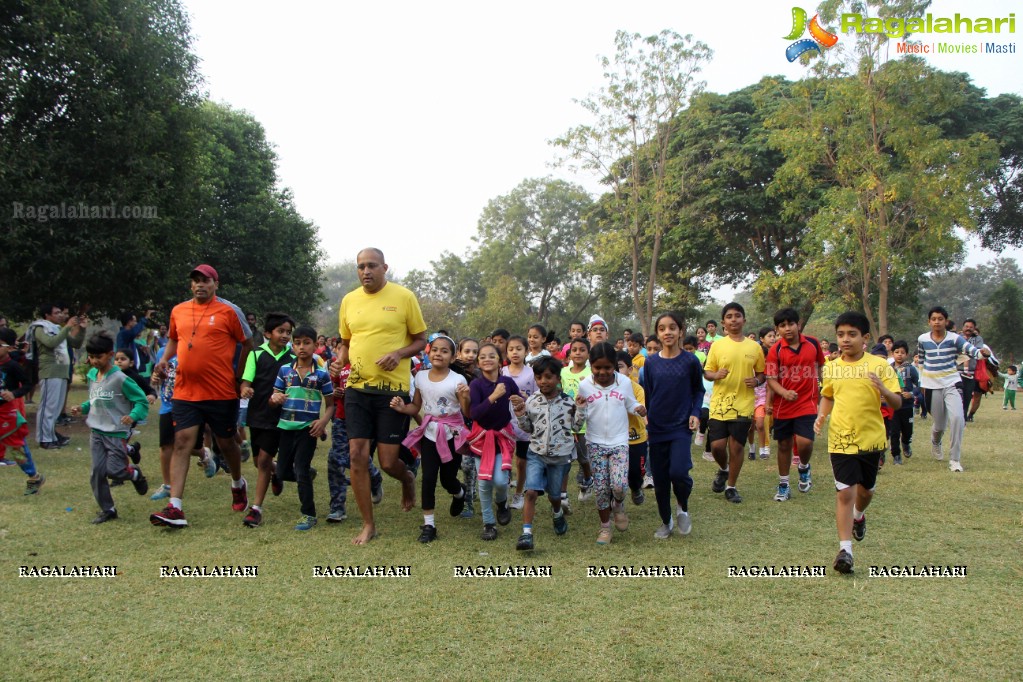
{"points": [[257, 334], [50, 350], [130, 329]]}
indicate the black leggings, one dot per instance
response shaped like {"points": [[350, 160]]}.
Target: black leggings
{"points": [[902, 431], [431, 465], [671, 463], [637, 453], [293, 459]]}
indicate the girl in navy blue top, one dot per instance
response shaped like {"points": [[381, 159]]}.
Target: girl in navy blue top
{"points": [[673, 383], [492, 439]]}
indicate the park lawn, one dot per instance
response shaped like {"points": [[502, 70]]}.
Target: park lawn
{"points": [[289, 625]]}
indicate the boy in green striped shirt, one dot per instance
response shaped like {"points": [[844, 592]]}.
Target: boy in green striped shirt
{"points": [[301, 390]]}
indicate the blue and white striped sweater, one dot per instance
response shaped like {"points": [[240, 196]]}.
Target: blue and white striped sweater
{"points": [[939, 358]]}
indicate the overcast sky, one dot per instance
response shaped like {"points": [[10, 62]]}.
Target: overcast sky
{"points": [[396, 122]]}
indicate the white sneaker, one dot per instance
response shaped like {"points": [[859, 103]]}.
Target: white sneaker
{"points": [[683, 523], [517, 501], [955, 466], [701, 438], [765, 452], [565, 507], [936, 450], [648, 481], [708, 456], [664, 532]]}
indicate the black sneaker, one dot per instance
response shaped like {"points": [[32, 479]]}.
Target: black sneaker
{"points": [[140, 482], [114, 482], [428, 534], [135, 452], [732, 495], [908, 451], [105, 516], [525, 542], [52, 445], [859, 528], [33, 485], [62, 440], [752, 455], [844, 562], [489, 532], [896, 459], [458, 503], [560, 525], [503, 513], [720, 481]]}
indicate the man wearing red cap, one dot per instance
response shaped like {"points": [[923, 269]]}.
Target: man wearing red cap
{"points": [[204, 333]]}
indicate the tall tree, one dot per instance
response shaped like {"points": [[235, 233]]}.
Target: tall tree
{"points": [[96, 110], [649, 82], [1003, 332]]}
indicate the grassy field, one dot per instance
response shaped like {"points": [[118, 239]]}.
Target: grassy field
{"points": [[289, 625]]}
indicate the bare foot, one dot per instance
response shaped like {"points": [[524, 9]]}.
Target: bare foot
{"points": [[368, 533], [408, 492]]}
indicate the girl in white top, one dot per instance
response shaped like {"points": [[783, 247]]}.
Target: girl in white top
{"points": [[608, 399], [536, 337], [443, 395]]}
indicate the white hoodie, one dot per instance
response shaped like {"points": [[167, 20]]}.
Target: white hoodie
{"points": [[607, 410]]}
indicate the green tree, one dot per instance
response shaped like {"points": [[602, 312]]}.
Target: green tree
{"points": [[503, 306], [649, 82], [336, 280], [533, 233], [96, 108], [895, 188], [1003, 333]]}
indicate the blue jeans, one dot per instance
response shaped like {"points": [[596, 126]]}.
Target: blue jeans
{"points": [[543, 476], [494, 490]]}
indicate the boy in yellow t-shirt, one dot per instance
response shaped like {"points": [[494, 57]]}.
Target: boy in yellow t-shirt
{"points": [[736, 366], [854, 385]]}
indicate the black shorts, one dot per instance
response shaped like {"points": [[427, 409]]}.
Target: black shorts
{"points": [[265, 440], [220, 415], [784, 429], [738, 429], [521, 448], [167, 431], [369, 416], [860, 469]]}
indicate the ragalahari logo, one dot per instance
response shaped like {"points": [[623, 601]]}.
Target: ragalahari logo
{"points": [[819, 36]]}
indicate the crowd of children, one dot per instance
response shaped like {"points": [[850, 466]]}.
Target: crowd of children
{"points": [[528, 408]]}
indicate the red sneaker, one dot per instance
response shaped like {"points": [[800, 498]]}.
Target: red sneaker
{"points": [[240, 497], [253, 518], [170, 516]]}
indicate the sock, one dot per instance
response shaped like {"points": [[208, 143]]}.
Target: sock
{"points": [[722, 471], [783, 480], [135, 473], [605, 524], [460, 495], [857, 514], [564, 497], [729, 487], [846, 545], [257, 507], [527, 529], [680, 510], [804, 467], [428, 520], [558, 514], [175, 502], [165, 486], [239, 483]]}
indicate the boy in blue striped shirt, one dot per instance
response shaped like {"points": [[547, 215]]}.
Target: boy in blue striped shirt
{"points": [[301, 389], [943, 388]]}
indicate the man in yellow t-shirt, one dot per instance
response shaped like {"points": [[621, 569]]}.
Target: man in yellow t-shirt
{"points": [[736, 366], [381, 327], [854, 385]]}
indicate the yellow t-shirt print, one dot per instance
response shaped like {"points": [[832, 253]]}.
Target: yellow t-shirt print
{"points": [[856, 423], [732, 398]]}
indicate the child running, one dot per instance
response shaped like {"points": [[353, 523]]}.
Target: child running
{"points": [[854, 386], [114, 403], [639, 456], [736, 365], [443, 395], [758, 430], [549, 416], [577, 370], [794, 365], [902, 421], [673, 382], [299, 390], [606, 398], [262, 368], [468, 351], [522, 373], [14, 386], [492, 440]]}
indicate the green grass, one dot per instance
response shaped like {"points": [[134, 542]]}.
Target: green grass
{"points": [[288, 625]]}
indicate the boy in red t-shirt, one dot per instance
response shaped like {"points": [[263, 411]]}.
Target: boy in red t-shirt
{"points": [[793, 369]]}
